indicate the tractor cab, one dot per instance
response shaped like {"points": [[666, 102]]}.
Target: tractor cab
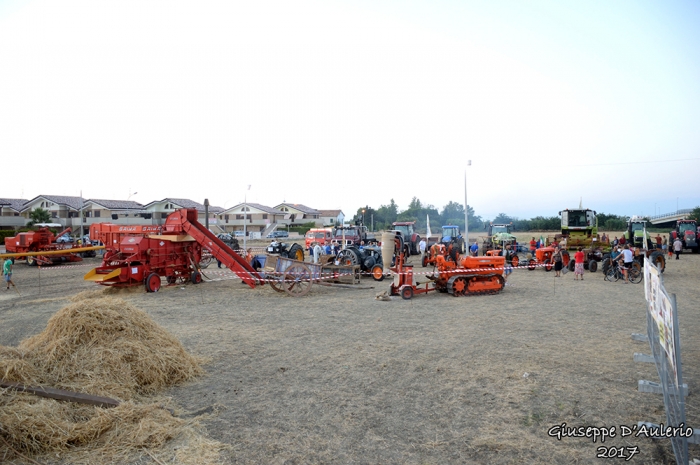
{"points": [[450, 233], [405, 227], [578, 222], [636, 232]]}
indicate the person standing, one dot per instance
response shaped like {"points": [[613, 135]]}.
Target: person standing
{"points": [[533, 246], [578, 264], [7, 272], [677, 247], [508, 269], [658, 241], [317, 253], [474, 249], [664, 246], [556, 257], [421, 247]]}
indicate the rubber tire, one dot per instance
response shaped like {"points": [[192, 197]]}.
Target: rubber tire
{"points": [[592, 266], [196, 277], [514, 261], [296, 252], [531, 265], [378, 273], [407, 292], [31, 260], [424, 262], [153, 282], [459, 245], [548, 265], [572, 265], [369, 263]]}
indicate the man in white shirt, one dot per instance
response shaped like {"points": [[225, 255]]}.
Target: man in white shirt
{"points": [[628, 258], [677, 247], [421, 248]]}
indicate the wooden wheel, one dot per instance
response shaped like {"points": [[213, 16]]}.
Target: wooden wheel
{"points": [[206, 259], [297, 280], [275, 282]]}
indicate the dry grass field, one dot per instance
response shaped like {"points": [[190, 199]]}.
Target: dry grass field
{"points": [[340, 377]]}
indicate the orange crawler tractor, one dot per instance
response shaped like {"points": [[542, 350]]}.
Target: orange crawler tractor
{"points": [[455, 274]]}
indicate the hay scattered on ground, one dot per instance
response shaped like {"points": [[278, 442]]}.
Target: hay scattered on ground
{"points": [[99, 345]]}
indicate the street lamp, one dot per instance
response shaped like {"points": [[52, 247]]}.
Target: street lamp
{"points": [[466, 208], [133, 193], [245, 218], [363, 217]]}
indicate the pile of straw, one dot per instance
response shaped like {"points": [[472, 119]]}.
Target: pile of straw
{"points": [[99, 345]]}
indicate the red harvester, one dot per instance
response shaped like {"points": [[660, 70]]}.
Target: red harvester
{"points": [[143, 254], [43, 240]]}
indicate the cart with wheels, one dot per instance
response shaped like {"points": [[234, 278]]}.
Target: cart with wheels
{"points": [[291, 276]]}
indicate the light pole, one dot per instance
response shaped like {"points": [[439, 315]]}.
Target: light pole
{"points": [[133, 193], [363, 217], [245, 218], [466, 208]]}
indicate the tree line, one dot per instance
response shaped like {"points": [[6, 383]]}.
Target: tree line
{"points": [[453, 213]]}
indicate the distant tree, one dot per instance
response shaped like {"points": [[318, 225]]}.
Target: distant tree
{"points": [[38, 215], [695, 214], [502, 218]]}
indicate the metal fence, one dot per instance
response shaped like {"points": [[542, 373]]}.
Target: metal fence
{"points": [[664, 341]]}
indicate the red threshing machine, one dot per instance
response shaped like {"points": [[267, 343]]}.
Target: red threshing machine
{"points": [[43, 248], [143, 254], [455, 274]]}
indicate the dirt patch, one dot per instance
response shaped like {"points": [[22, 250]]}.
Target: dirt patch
{"points": [[338, 376]]}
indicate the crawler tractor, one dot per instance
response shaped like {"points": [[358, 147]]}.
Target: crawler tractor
{"points": [[455, 274]]}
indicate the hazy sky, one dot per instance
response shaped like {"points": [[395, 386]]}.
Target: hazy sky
{"points": [[338, 104]]}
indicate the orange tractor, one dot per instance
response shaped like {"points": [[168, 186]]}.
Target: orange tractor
{"points": [[455, 274]]}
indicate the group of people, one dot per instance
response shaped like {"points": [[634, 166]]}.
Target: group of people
{"points": [[316, 250]]}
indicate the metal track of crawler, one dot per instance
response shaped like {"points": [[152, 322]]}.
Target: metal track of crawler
{"points": [[451, 281]]}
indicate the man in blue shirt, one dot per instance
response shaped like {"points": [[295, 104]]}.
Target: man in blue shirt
{"points": [[474, 249]]}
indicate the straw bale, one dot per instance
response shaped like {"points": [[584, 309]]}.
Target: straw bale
{"points": [[99, 345], [105, 346]]}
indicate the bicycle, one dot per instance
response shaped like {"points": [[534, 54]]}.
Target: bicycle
{"points": [[634, 272]]}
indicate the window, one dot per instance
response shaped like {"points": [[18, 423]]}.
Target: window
{"points": [[239, 217], [97, 213], [226, 218], [264, 217], [284, 209], [54, 215], [163, 215]]}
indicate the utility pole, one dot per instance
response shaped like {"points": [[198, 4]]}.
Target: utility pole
{"points": [[466, 208]]}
